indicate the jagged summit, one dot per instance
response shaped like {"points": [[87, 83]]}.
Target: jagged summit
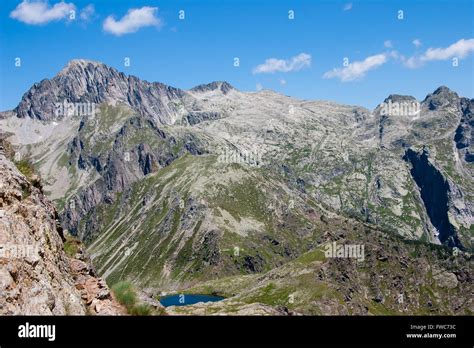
{"points": [[399, 98], [82, 64], [443, 92], [443, 89], [440, 97], [82, 81], [223, 86]]}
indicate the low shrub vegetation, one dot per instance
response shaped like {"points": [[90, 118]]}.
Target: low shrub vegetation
{"points": [[71, 247], [126, 295]]}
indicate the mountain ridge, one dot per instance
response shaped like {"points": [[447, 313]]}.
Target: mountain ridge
{"points": [[161, 183], [73, 65]]}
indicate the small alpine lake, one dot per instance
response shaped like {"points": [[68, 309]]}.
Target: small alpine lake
{"points": [[187, 299]]}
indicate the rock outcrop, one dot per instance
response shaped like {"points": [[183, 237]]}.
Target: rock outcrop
{"points": [[221, 86], [36, 276]]}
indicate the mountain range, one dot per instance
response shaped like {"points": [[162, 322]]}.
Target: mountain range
{"points": [[215, 190]]}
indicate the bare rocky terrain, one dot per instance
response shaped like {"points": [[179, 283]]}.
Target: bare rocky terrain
{"points": [[36, 276]]}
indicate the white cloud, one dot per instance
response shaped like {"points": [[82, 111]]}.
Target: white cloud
{"points": [[39, 12], [459, 49], [347, 7], [135, 19], [357, 69], [411, 62], [388, 44], [259, 87], [393, 54], [87, 12], [416, 42], [272, 65], [282, 82]]}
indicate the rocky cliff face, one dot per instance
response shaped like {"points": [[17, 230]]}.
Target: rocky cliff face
{"points": [[464, 137], [435, 192], [36, 276], [118, 160], [84, 81]]}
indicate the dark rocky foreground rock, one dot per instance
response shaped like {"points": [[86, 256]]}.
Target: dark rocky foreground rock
{"points": [[36, 276]]}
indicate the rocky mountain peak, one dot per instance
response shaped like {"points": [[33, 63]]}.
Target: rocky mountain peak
{"points": [[223, 86], [82, 63], [442, 96], [443, 90], [93, 69], [398, 98], [84, 81]]}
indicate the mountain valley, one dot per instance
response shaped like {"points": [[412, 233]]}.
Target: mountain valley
{"points": [[217, 191]]}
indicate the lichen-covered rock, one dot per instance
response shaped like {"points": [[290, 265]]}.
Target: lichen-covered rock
{"points": [[445, 279]]}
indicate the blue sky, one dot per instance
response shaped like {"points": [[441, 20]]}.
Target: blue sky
{"points": [[383, 57]]}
